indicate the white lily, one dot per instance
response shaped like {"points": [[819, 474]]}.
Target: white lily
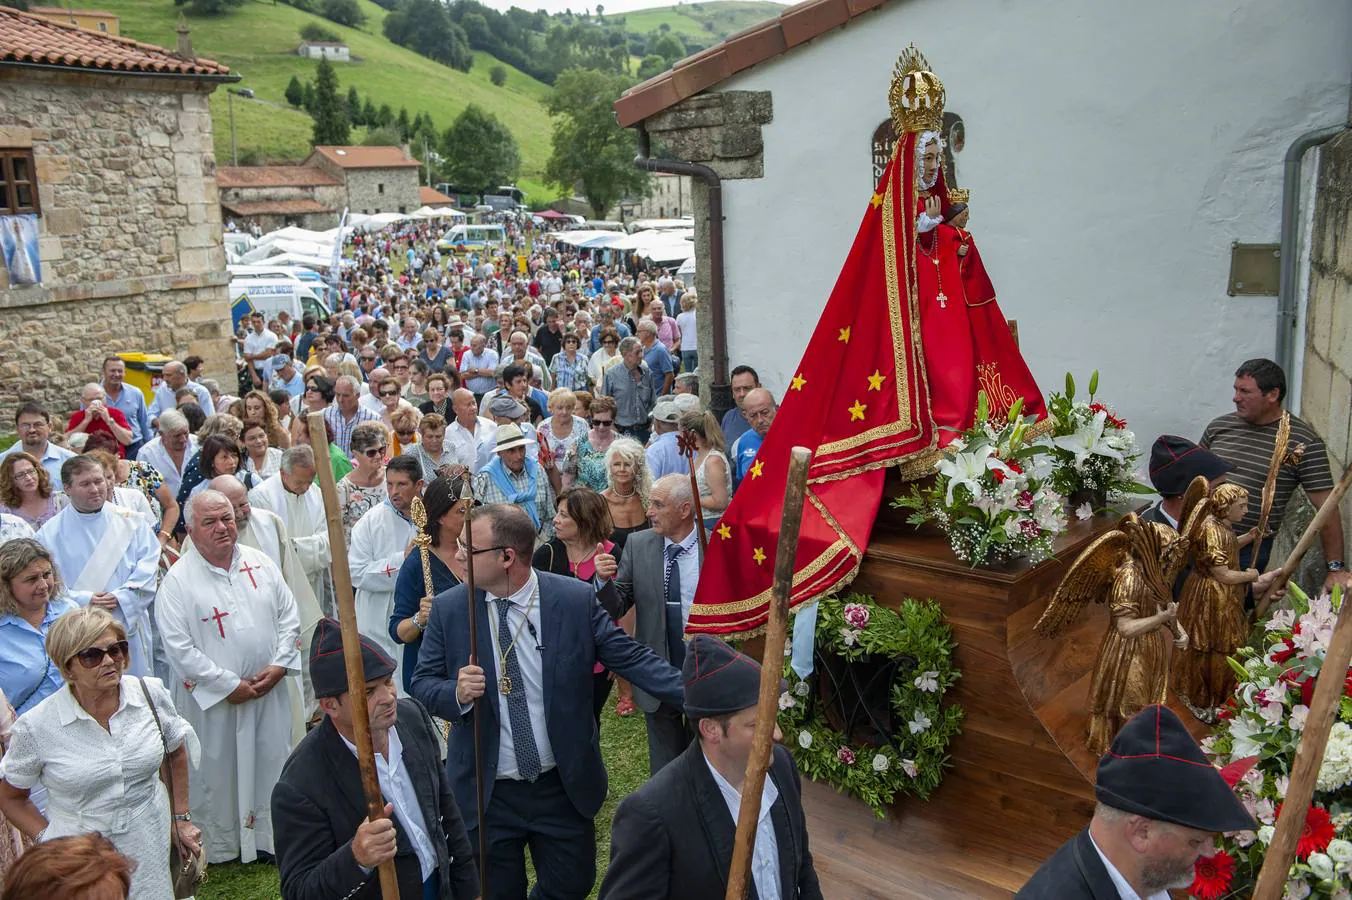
{"points": [[1243, 733], [967, 468], [1088, 441]]}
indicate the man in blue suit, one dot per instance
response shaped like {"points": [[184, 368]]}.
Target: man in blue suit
{"points": [[540, 636]]}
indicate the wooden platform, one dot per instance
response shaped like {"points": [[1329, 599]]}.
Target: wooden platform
{"points": [[1021, 781]]}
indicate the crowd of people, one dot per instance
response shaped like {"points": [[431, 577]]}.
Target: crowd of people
{"points": [[166, 588]]}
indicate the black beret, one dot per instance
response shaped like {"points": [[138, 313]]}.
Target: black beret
{"points": [[719, 681], [328, 671], [1155, 769], [1176, 461]]}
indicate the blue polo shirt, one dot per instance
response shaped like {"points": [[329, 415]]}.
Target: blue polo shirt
{"points": [[743, 454], [27, 676]]}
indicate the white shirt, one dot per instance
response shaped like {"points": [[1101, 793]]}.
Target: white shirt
{"points": [[765, 856], [397, 787], [532, 673], [1124, 890], [465, 445], [257, 342], [688, 564], [154, 453]]}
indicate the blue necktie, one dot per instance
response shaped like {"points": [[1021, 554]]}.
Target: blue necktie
{"points": [[671, 585], [518, 710]]}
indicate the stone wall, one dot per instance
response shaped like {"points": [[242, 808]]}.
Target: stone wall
{"points": [[382, 190], [1326, 385], [130, 231]]}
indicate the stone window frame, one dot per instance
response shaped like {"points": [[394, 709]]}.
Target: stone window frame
{"points": [[9, 195]]}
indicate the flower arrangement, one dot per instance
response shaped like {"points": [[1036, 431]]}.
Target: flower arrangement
{"points": [[1095, 454], [910, 760], [992, 497], [1256, 743]]}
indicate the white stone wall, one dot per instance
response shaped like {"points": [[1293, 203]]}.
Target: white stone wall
{"points": [[130, 231], [1114, 150]]}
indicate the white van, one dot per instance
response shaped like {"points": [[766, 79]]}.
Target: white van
{"points": [[467, 238], [271, 296]]}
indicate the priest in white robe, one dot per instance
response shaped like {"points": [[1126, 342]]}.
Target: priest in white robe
{"points": [[294, 497], [107, 555], [381, 540], [230, 626]]}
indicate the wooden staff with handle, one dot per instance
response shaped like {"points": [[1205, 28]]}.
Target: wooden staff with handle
{"points": [[1328, 695], [685, 442], [1274, 469], [347, 623], [772, 667], [467, 498], [1321, 516]]}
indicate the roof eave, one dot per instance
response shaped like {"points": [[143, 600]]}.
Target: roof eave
{"points": [[218, 78]]}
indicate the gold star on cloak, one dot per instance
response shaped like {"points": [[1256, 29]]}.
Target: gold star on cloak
{"points": [[725, 532], [875, 381], [844, 334], [797, 383], [857, 411], [758, 555], [876, 200], [756, 469]]}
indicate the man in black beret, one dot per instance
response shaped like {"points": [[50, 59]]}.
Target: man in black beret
{"points": [[672, 838], [1159, 804], [326, 845], [1174, 462]]}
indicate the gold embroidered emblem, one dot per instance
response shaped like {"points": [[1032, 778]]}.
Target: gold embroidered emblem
{"points": [[1001, 396]]}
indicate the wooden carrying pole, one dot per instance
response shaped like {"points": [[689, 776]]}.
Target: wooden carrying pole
{"points": [[347, 622], [1328, 695], [772, 667], [1329, 508], [467, 497]]}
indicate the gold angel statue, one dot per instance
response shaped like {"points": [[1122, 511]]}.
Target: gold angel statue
{"points": [[1132, 569], [1211, 606]]}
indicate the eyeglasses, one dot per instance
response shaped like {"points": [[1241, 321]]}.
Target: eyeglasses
{"points": [[374, 453], [26, 473], [389, 393], [92, 657], [603, 423], [31, 426], [460, 545]]}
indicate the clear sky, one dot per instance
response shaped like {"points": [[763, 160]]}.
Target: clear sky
{"points": [[558, 6]]}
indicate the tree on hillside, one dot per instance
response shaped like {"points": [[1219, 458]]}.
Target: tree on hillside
{"points": [[403, 124], [668, 46], [590, 149], [307, 97], [295, 94], [369, 116], [385, 116], [497, 75], [651, 65], [313, 31], [209, 7], [425, 27], [344, 12], [381, 136], [330, 112], [480, 151], [354, 106]]}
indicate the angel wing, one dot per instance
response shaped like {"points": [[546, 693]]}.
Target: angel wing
{"points": [[1175, 554], [1088, 579]]}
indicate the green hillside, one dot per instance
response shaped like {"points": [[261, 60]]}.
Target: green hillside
{"points": [[704, 23], [259, 39]]}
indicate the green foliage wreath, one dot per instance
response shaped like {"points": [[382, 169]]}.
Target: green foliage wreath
{"points": [[911, 759]]}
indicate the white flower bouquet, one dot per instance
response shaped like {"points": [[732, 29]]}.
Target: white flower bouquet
{"points": [[1095, 454]]}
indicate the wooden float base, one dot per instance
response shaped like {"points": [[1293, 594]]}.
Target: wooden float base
{"points": [[1021, 781]]}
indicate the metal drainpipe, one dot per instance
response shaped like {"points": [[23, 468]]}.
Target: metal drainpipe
{"points": [[1287, 289], [720, 390]]}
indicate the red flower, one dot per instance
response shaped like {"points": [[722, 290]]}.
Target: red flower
{"points": [[846, 755], [1212, 875], [1108, 416], [999, 476], [1317, 833], [1228, 710], [1347, 685], [1281, 656]]}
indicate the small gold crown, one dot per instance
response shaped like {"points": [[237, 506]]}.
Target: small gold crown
{"points": [[916, 95], [959, 195]]}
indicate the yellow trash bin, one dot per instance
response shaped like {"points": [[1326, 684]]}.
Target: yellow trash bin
{"points": [[143, 371]]}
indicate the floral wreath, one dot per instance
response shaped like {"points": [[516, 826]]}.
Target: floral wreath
{"points": [[917, 644]]}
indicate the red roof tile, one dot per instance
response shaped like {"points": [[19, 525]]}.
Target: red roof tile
{"points": [[432, 197], [367, 157], [275, 207], [28, 39], [273, 176], [701, 71]]}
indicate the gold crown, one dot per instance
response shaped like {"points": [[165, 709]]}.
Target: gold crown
{"points": [[959, 195], [916, 95]]}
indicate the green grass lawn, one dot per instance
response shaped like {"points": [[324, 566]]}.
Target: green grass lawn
{"points": [[259, 39], [706, 23], [624, 747]]}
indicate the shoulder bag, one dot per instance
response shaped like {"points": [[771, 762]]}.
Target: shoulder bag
{"points": [[187, 869]]}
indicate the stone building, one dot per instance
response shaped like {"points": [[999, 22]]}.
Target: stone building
{"points": [[378, 179], [114, 137], [278, 196], [1160, 165], [329, 50]]}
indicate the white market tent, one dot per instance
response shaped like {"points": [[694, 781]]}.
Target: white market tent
{"points": [[660, 224], [443, 212], [267, 250]]}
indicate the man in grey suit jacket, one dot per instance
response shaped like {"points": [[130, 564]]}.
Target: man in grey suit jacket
{"points": [[659, 571]]}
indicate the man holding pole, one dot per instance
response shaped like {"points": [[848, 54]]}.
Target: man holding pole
{"points": [[673, 837], [539, 639], [327, 846]]}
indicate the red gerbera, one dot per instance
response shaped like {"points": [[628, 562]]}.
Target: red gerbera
{"points": [[1108, 416], [1317, 833], [1212, 875]]}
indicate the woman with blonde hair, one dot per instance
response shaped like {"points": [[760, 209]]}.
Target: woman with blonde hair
{"points": [[97, 748], [259, 407], [629, 481], [563, 428], [713, 474], [26, 490], [32, 597]]}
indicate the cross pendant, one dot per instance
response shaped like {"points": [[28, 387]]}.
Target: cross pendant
{"points": [[505, 685], [943, 300]]}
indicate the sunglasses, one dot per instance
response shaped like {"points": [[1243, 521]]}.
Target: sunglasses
{"points": [[374, 453], [603, 423], [389, 393], [92, 657]]}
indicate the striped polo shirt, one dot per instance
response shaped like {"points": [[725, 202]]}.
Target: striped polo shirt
{"points": [[1249, 449]]}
